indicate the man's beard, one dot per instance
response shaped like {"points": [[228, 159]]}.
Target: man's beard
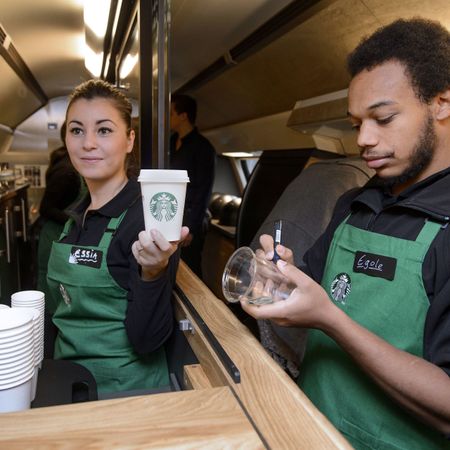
{"points": [[420, 157]]}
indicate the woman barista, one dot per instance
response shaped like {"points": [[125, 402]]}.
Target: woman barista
{"points": [[112, 281]]}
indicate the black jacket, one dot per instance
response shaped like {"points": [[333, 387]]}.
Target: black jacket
{"points": [[197, 156], [402, 216]]}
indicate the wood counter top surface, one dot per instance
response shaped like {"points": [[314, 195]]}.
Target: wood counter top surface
{"points": [[208, 418], [284, 416], [265, 410]]}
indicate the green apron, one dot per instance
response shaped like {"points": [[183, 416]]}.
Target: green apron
{"points": [[90, 318], [50, 232], [377, 281]]}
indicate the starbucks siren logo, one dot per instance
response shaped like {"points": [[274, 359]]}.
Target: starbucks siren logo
{"points": [[163, 206], [341, 287]]}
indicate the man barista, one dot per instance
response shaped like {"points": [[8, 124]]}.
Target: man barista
{"points": [[375, 288]]}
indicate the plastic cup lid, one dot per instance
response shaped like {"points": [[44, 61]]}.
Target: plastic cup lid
{"points": [[163, 176]]}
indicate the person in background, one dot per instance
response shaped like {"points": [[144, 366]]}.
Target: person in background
{"points": [[191, 151], [374, 289], [63, 186], [111, 280]]}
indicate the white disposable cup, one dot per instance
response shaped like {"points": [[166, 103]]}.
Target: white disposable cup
{"points": [[34, 382], [16, 368], [13, 339], [20, 373], [8, 346], [24, 354], [6, 352], [254, 278], [16, 398], [163, 198], [27, 297]]}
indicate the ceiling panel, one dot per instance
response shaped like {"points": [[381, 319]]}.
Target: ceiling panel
{"points": [[306, 62], [202, 31]]}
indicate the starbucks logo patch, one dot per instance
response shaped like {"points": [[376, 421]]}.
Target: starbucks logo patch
{"points": [[163, 206], [341, 287]]}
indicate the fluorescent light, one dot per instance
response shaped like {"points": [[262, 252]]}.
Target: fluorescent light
{"points": [[96, 16], [239, 155], [93, 61], [127, 65]]}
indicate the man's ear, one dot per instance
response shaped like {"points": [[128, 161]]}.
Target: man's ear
{"points": [[443, 105]]}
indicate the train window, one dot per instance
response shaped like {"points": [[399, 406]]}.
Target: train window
{"points": [[248, 165], [242, 164]]}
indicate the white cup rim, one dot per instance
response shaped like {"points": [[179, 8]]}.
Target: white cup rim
{"points": [[14, 318], [25, 379], [20, 345], [19, 372], [163, 176], [24, 354]]}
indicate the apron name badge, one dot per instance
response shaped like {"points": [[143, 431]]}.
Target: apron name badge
{"points": [[375, 265], [86, 257]]}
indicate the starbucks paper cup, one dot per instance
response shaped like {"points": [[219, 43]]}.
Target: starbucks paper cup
{"points": [[163, 197]]}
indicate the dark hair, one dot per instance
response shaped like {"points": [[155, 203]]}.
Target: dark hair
{"points": [[92, 89], [62, 133], [101, 89], [421, 46], [185, 104], [57, 155]]}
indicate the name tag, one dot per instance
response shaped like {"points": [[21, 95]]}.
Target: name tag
{"points": [[86, 257], [375, 265]]}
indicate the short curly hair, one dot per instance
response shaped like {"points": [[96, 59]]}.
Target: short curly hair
{"points": [[422, 46]]}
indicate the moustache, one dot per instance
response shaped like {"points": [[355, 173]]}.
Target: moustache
{"points": [[369, 154]]}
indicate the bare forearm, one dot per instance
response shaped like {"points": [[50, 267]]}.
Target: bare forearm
{"points": [[416, 384]]}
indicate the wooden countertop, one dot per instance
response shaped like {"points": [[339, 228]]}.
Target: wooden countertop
{"points": [[265, 410], [284, 416], [208, 418]]}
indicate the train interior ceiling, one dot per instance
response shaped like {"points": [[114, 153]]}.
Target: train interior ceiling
{"points": [[267, 75]]}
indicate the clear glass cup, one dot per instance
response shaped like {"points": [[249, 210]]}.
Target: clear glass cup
{"points": [[254, 278]]}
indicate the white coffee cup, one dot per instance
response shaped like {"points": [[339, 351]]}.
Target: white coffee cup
{"points": [[163, 197]]}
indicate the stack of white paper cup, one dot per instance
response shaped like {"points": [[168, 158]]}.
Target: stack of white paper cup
{"points": [[36, 300], [37, 350], [17, 364], [163, 197]]}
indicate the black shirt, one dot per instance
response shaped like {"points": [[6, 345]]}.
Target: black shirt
{"points": [[197, 156], [149, 317], [374, 208]]}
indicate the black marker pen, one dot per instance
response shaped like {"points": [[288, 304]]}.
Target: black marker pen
{"points": [[276, 239]]}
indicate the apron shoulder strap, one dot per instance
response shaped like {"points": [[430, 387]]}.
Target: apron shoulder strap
{"points": [[111, 229], [66, 228], [428, 232]]}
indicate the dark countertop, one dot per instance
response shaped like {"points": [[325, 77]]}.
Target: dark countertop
{"points": [[12, 191], [228, 231]]}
